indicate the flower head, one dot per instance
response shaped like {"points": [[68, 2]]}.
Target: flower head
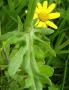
{"points": [[44, 15]]}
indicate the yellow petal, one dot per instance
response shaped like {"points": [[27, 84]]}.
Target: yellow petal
{"points": [[41, 24], [35, 16], [45, 4], [39, 6], [51, 24], [54, 15], [51, 8], [36, 10]]}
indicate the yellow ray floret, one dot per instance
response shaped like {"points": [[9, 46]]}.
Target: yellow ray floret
{"points": [[44, 14]]}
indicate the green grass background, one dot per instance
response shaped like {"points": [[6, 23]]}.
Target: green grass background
{"points": [[11, 11]]}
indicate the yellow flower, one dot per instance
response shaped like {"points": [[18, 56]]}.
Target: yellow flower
{"points": [[44, 14]]}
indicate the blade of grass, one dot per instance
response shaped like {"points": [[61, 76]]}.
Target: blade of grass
{"points": [[58, 31], [65, 72], [21, 5], [63, 45], [60, 39], [63, 52], [0, 28]]}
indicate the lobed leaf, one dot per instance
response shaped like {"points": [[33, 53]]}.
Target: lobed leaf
{"points": [[16, 61]]}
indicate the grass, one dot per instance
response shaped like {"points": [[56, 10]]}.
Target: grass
{"points": [[31, 58]]}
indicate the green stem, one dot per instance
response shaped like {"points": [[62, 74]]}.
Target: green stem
{"points": [[31, 9]]}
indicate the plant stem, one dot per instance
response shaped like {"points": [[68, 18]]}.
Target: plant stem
{"points": [[31, 9]]}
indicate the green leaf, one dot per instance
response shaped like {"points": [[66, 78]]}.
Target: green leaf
{"points": [[28, 71], [16, 61], [1, 3], [46, 70], [0, 28], [11, 5], [53, 87], [40, 54], [45, 79], [46, 31], [49, 49], [13, 40], [28, 82], [38, 85], [67, 14], [21, 5], [10, 34], [14, 51], [2, 61], [14, 86], [20, 24]]}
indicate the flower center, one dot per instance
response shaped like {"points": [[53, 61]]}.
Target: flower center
{"points": [[43, 16]]}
